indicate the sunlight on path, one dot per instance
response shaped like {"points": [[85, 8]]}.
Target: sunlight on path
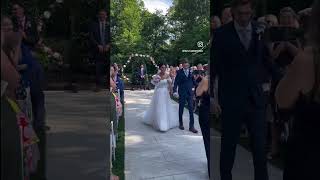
{"points": [[150, 154], [176, 154]]}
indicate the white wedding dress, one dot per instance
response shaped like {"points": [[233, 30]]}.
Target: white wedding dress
{"points": [[162, 114]]}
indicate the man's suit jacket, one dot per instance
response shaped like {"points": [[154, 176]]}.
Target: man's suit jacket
{"points": [[120, 84], [95, 37], [184, 83], [30, 29], [241, 72]]}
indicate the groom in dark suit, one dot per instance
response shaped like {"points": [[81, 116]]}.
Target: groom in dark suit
{"points": [[241, 65], [185, 82]]}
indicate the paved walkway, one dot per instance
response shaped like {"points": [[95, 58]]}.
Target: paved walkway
{"points": [[176, 154], [77, 141]]}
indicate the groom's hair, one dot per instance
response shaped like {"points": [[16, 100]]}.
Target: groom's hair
{"points": [[183, 60]]}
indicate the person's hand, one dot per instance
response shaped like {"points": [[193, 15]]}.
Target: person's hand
{"points": [[23, 34], [175, 95], [100, 48], [216, 107], [170, 92], [107, 48]]}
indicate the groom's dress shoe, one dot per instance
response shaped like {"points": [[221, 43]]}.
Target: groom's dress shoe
{"points": [[193, 130], [181, 127]]}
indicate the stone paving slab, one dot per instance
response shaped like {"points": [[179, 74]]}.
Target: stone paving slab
{"points": [[77, 143], [155, 155], [176, 154]]}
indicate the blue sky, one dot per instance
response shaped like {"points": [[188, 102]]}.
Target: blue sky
{"points": [[153, 5]]}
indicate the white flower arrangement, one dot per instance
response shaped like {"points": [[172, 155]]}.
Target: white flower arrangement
{"points": [[155, 79], [57, 56], [47, 50]]}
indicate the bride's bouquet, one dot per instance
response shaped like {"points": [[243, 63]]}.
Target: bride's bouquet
{"points": [[155, 79]]}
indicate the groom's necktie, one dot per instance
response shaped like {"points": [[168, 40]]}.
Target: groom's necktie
{"points": [[245, 37], [186, 72], [102, 32]]}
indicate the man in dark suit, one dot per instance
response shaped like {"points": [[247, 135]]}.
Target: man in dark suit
{"points": [[142, 77], [240, 64], [26, 25], [100, 43], [185, 82]]}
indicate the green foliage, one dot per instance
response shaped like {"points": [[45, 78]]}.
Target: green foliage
{"points": [[118, 164], [43, 59], [135, 30]]}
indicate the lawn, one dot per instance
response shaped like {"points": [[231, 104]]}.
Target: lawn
{"points": [[118, 164]]}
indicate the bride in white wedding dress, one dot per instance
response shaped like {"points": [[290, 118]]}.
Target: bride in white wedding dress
{"points": [[162, 114]]}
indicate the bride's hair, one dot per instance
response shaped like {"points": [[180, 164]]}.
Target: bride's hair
{"points": [[160, 65]]}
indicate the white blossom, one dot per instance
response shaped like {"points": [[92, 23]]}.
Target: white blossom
{"points": [[47, 14], [56, 55], [46, 49]]}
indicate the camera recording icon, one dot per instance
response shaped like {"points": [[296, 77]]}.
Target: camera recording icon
{"points": [[200, 44]]}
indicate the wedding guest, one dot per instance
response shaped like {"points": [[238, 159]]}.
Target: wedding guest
{"points": [[304, 20], [9, 72], [271, 20], [113, 85], [25, 24], [299, 91], [167, 68], [200, 67], [119, 82], [215, 23], [33, 73], [11, 46], [226, 16], [241, 96], [173, 73], [100, 46], [11, 154], [142, 77], [282, 54], [202, 92], [120, 70]]}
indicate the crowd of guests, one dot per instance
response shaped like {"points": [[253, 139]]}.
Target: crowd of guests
{"points": [[268, 69], [117, 100], [141, 73], [23, 135]]}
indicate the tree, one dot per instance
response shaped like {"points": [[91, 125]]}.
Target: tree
{"points": [[135, 30], [126, 25], [190, 24]]}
